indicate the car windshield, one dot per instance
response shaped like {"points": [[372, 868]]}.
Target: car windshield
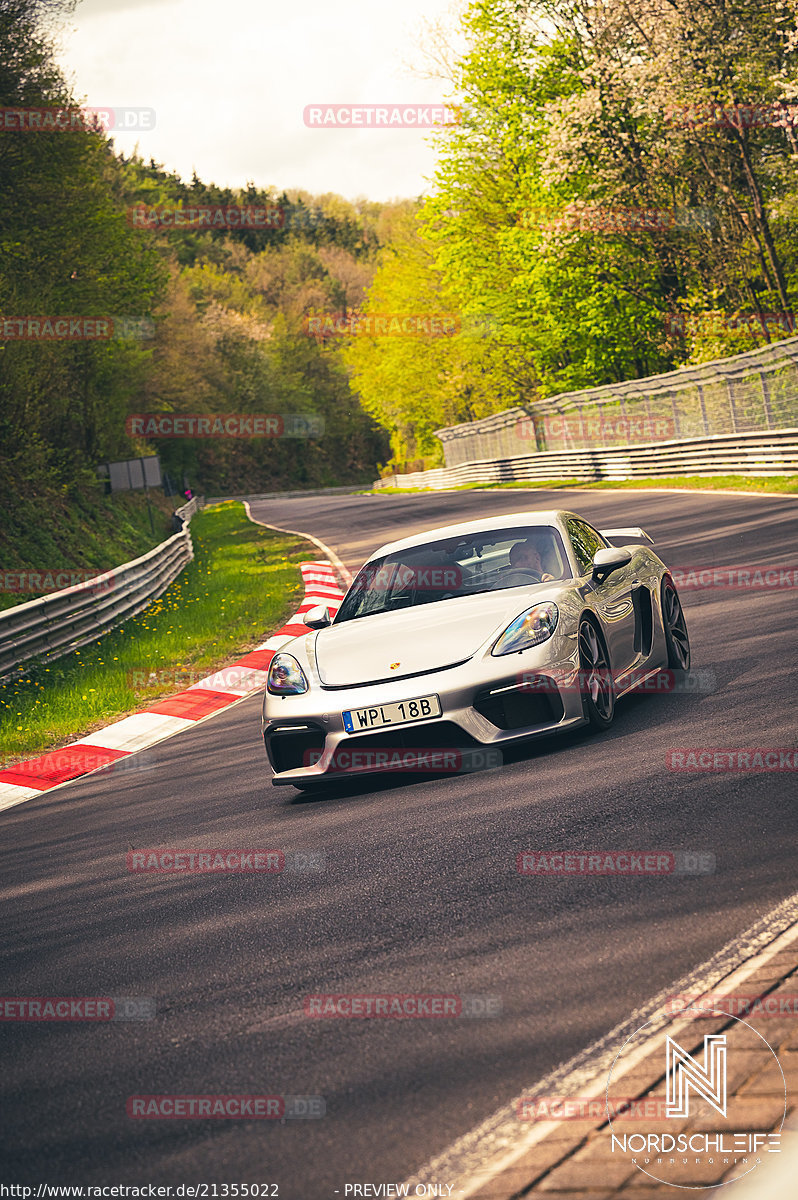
{"points": [[458, 566]]}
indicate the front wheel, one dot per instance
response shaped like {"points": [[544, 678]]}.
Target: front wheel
{"points": [[597, 686], [675, 628]]}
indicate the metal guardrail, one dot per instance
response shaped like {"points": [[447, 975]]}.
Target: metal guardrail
{"points": [[186, 511], [754, 392], [64, 621], [774, 453]]}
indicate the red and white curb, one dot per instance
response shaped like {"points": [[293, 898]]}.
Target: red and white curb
{"points": [[174, 713]]}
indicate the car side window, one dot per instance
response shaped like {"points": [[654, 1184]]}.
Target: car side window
{"points": [[585, 541]]}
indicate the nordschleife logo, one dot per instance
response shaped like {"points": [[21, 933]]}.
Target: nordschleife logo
{"points": [[687, 1119], [685, 1073]]}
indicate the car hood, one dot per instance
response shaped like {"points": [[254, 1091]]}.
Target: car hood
{"points": [[410, 641]]}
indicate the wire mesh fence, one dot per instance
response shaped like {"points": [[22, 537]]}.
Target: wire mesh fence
{"points": [[751, 392]]}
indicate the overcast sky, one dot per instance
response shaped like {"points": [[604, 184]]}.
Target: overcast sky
{"points": [[229, 80]]}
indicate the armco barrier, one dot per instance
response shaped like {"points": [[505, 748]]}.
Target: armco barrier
{"points": [[64, 621], [772, 453], [116, 748]]}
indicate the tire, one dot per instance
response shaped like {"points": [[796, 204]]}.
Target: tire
{"points": [[595, 674], [674, 627]]}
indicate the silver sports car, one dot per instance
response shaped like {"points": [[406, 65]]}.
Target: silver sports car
{"points": [[468, 637]]}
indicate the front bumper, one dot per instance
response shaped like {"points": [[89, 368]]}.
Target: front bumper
{"points": [[485, 703]]}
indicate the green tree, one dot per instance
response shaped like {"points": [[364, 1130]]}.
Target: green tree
{"points": [[65, 249]]}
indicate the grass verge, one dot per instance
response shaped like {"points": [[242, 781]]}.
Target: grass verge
{"points": [[242, 585], [79, 528], [784, 484]]}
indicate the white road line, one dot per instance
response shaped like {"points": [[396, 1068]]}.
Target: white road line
{"points": [[333, 557], [480, 1155]]}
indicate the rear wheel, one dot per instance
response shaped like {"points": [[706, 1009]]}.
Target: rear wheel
{"points": [[675, 628], [598, 689]]}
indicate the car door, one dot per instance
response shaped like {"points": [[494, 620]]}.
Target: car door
{"points": [[612, 597]]}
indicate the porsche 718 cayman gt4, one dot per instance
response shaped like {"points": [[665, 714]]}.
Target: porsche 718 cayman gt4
{"points": [[469, 637]]}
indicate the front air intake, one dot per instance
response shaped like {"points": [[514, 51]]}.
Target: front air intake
{"points": [[293, 746], [520, 705]]}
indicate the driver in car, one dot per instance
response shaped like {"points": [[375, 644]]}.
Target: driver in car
{"points": [[526, 555]]}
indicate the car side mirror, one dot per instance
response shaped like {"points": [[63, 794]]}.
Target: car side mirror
{"points": [[608, 560], [318, 617]]}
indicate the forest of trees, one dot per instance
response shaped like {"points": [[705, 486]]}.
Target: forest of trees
{"points": [[207, 320], [574, 112]]}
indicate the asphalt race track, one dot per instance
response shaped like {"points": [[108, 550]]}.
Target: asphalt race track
{"points": [[420, 894]]}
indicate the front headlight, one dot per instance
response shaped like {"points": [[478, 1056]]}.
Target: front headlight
{"points": [[286, 677], [529, 629]]}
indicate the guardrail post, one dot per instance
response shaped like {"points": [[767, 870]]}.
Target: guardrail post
{"points": [[702, 405], [732, 409], [766, 406], [677, 428]]}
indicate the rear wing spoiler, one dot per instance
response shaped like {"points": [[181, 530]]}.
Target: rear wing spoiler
{"points": [[623, 536]]}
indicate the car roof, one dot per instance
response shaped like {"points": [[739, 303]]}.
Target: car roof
{"points": [[541, 516]]}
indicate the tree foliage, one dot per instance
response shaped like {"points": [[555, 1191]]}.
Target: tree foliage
{"points": [[225, 306], [681, 108]]}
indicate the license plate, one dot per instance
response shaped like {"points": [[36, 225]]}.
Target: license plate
{"points": [[392, 714]]}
